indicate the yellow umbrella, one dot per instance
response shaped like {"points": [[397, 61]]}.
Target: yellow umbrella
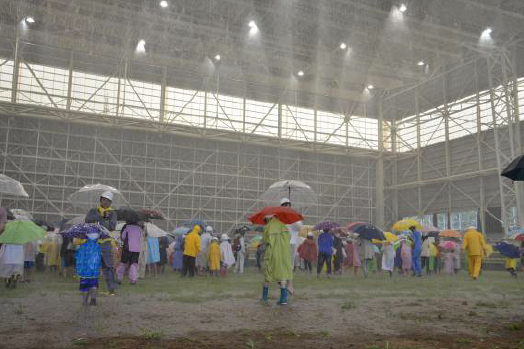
{"points": [[307, 229], [405, 224], [390, 237]]}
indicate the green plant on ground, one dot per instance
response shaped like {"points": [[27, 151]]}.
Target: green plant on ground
{"points": [[148, 333]]}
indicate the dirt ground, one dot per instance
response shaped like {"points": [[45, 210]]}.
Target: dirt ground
{"points": [[348, 313]]}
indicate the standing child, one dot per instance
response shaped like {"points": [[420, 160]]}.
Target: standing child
{"points": [[405, 254], [325, 250], [88, 264], [388, 258], [132, 237], [308, 251], [213, 257], [511, 266]]}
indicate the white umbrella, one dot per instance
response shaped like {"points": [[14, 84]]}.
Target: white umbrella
{"points": [[22, 214], [299, 193], [154, 231], [11, 186], [89, 196]]}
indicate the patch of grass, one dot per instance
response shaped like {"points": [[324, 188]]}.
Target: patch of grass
{"points": [[19, 310], [80, 342], [324, 333], [347, 306], [472, 313], [464, 341], [151, 334], [486, 304], [250, 344], [514, 327]]}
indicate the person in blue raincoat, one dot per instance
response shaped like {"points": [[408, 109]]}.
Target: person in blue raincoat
{"points": [[88, 264], [417, 249]]}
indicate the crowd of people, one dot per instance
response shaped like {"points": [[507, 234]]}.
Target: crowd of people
{"points": [[200, 251]]}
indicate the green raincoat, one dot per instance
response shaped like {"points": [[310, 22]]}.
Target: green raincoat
{"points": [[277, 258]]}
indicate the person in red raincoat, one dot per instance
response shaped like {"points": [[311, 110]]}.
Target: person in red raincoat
{"points": [[308, 251]]}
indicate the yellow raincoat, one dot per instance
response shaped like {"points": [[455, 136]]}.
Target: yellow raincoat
{"points": [[213, 256], [475, 244], [192, 243]]}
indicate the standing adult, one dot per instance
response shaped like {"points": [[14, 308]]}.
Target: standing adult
{"points": [[293, 229], [106, 216], [278, 266], [227, 258], [388, 258], [179, 253], [476, 246], [201, 261], [417, 249], [367, 254], [11, 257], [240, 251], [339, 255], [192, 247], [325, 251]]}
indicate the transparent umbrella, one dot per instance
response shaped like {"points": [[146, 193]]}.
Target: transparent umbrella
{"points": [[154, 231], [89, 196], [11, 186], [22, 214], [299, 193]]}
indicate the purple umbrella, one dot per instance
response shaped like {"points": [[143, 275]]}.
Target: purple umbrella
{"points": [[81, 231], [326, 226]]}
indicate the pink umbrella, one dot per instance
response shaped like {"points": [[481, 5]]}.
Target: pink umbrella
{"points": [[429, 229]]}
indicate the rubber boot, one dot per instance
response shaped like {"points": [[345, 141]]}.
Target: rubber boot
{"points": [[283, 297], [265, 292]]}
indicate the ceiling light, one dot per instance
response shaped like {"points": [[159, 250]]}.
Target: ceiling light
{"points": [[402, 8], [30, 20], [217, 57], [300, 73], [164, 4], [343, 46], [370, 87], [141, 46], [253, 28], [421, 63], [487, 31]]}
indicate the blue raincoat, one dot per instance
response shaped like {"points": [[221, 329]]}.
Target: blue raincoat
{"points": [[417, 249], [89, 259]]}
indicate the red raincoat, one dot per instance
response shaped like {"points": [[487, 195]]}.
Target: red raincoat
{"points": [[308, 250]]}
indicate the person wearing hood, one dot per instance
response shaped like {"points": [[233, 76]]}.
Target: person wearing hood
{"points": [[106, 216], [202, 261], [88, 263], [308, 251], [353, 255], [388, 258], [240, 249], [294, 230], [192, 247], [227, 258], [476, 246], [213, 257], [11, 257], [367, 254], [278, 266], [417, 249], [405, 254]]}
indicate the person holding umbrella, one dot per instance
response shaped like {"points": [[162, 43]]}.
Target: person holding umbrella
{"points": [[325, 251], [476, 246], [106, 216], [132, 235], [417, 249], [294, 230]]}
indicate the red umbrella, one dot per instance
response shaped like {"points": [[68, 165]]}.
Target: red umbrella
{"points": [[285, 214]]}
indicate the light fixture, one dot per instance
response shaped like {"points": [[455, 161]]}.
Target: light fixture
{"points": [[487, 32], [253, 28], [343, 46], [30, 20], [217, 57], [421, 63], [370, 87], [402, 8], [164, 4], [141, 46], [300, 73]]}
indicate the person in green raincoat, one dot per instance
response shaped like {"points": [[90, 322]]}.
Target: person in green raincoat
{"points": [[277, 259]]}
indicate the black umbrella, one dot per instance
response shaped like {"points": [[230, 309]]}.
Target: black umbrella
{"points": [[369, 232], [127, 214], [45, 225], [515, 170]]}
